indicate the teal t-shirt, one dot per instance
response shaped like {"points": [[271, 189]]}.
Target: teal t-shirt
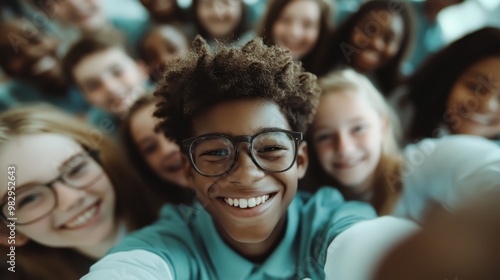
{"points": [[186, 240]]}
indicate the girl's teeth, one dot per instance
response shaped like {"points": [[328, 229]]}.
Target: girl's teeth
{"points": [[83, 218], [247, 203]]}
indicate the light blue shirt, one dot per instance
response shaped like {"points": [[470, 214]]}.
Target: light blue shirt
{"points": [[184, 244]]}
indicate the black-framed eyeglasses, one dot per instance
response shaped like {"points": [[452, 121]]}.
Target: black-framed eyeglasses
{"points": [[215, 154], [36, 202]]}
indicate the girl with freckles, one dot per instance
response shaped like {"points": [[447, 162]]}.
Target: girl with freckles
{"points": [[354, 147], [75, 196]]}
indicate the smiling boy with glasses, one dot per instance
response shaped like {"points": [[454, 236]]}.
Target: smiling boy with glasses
{"points": [[239, 115]]}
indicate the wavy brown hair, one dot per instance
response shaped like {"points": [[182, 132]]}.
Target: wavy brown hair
{"points": [[254, 71], [168, 191]]}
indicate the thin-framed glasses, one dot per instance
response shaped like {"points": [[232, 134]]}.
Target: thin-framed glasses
{"points": [[215, 154], [34, 203]]}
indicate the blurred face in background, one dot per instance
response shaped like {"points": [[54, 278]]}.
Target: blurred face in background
{"points": [[110, 80], [31, 56], [473, 105], [298, 27], [87, 15], [347, 136], [220, 17], [161, 154], [377, 36], [160, 9], [161, 45], [80, 217]]}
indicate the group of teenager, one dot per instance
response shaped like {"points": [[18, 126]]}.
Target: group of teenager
{"points": [[225, 142]]}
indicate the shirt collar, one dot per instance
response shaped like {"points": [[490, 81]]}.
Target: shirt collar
{"points": [[230, 265]]}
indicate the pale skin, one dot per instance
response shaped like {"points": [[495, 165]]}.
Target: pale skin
{"points": [[110, 80], [219, 17], [298, 27], [94, 234], [348, 134]]}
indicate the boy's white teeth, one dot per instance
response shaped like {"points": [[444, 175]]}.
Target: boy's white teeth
{"points": [[247, 203], [83, 218]]}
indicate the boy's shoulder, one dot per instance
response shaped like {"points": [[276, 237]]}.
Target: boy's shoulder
{"points": [[186, 239]]}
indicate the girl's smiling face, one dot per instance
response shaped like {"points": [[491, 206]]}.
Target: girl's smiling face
{"points": [[378, 41], [161, 154], [298, 27], [219, 17], [347, 136], [473, 106], [82, 217]]}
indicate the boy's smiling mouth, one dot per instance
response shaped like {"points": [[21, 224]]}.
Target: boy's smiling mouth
{"points": [[248, 206], [247, 203]]}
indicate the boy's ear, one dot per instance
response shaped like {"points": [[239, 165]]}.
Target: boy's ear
{"points": [[302, 159], [188, 172], [19, 239]]}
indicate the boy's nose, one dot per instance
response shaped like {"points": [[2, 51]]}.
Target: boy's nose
{"points": [[245, 171]]}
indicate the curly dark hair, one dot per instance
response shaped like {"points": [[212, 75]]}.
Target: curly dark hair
{"points": [[387, 76], [430, 86], [255, 71]]}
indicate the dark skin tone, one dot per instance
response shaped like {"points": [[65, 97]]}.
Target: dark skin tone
{"points": [[463, 245], [29, 54]]}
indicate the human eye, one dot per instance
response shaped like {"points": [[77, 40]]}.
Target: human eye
{"points": [[359, 128], [273, 145], [29, 199], [78, 169], [91, 85], [149, 149], [322, 137], [215, 153], [117, 70]]}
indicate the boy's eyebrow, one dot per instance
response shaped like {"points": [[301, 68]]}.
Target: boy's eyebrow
{"points": [[267, 129]]}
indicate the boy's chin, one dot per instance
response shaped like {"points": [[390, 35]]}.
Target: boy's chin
{"points": [[250, 235]]}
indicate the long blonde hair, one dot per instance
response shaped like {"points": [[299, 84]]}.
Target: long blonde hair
{"points": [[132, 206], [384, 189]]}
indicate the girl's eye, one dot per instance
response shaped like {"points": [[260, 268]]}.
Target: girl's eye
{"points": [[359, 128], [322, 137], [116, 71], [149, 149]]}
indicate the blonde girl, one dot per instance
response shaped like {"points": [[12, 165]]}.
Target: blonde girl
{"points": [[354, 141], [74, 195]]}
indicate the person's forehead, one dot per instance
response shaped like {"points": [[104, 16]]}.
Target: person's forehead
{"points": [[240, 117], [37, 156], [106, 57]]}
